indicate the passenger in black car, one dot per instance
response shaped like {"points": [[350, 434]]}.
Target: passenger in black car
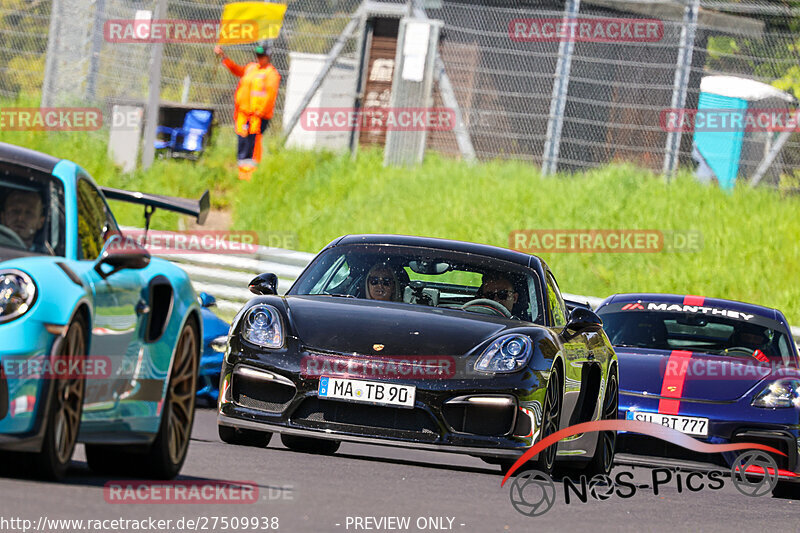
{"points": [[381, 283]]}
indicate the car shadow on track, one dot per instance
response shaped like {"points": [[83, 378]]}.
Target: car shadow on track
{"points": [[405, 462], [789, 492], [80, 474]]}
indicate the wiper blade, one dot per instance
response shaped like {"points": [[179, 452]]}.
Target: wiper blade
{"points": [[338, 295]]}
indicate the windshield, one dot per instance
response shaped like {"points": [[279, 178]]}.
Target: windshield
{"points": [[742, 336], [31, 211], [424, 276]]}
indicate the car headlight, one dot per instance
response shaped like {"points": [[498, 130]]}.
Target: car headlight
{"points": [[261, 325], [219, 344], [781, 393], [17, 294], [509, 353]]}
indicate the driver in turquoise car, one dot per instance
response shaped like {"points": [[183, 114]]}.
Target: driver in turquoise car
{"points": [[500, 289], [24, 214]]}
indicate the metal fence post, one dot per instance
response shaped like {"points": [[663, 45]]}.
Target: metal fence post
{"points": [[52, 52], [449, 99], [679, 89], [364, 44], [558, 103], [408, 147], [153, 93], [97, 44]]}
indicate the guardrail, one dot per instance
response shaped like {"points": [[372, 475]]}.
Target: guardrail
{"points": [[226, 276]]}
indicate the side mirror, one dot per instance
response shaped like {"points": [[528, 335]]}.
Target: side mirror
{"points": [[582, 319], [206, 300], [121, 253], [264, 284]]}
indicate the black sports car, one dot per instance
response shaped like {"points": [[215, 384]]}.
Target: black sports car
{"points": [[421, 343]]}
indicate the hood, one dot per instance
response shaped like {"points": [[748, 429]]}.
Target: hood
{"points": [[350, 325], [703, 376]]}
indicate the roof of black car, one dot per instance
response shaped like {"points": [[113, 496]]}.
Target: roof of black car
{"points": [[442, 244], [26, 157]]}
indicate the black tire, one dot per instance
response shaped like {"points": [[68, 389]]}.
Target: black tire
{"points": [[551, 420], [244, 437], [167, 454], [603, 459], [65, 409], [164, 458], [310, 445]]}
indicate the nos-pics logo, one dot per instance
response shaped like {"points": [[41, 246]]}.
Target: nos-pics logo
{"points": [[532, 492]]}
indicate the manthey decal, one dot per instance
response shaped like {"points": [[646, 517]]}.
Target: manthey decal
{"points": [[691, 304]]}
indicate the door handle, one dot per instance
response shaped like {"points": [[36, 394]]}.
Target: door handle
{"points": [[142, 308]]}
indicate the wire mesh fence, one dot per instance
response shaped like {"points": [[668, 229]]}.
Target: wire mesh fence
{"points": [[89, 66], [562, 104]]}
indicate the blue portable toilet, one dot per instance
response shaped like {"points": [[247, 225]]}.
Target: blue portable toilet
{"points": [[726, 155]]}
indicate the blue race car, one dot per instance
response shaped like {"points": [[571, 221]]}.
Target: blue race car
{"points": [[719, 370], [100, 342], [215, 341]]}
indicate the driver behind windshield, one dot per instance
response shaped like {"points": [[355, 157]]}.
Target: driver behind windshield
{"points": [[754, 338], [381, 283], [24, 214], [500, 289]]}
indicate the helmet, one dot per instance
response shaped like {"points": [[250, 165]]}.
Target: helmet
{"points": [[263, 48]]}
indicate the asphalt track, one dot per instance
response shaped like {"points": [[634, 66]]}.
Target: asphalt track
{"points": [[362, 486]]}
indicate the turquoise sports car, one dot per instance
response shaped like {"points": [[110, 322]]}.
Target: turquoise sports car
{"points": [[99, 342]]}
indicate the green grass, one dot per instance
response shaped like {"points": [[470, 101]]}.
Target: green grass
{"points": [[751, 238]]}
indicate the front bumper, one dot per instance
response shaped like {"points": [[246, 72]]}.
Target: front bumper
{"points": [[729, 422], [268, 392], [25, 397]]}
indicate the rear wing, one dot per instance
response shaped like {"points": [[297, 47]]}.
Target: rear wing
{"points": [[196, 208], [572, 304]]}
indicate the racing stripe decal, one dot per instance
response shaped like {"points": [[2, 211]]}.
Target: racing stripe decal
{"points": [[674, 378], [694, 300]]}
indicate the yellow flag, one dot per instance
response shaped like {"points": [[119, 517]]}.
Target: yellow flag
{"points": [[248, 22]]}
